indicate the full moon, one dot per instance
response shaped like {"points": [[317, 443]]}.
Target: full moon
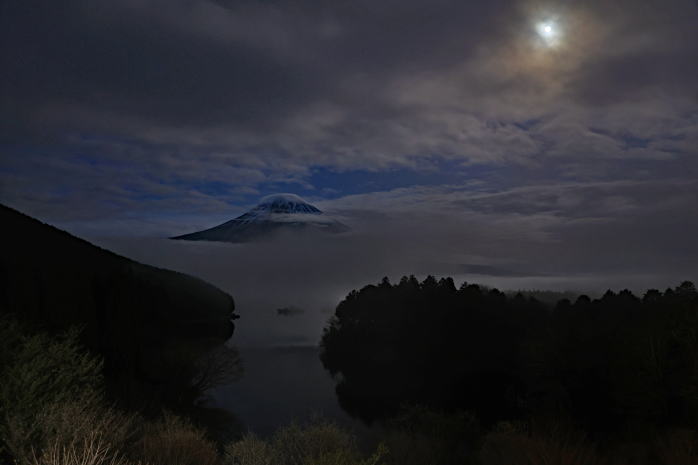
{"points": [[549, 32]]}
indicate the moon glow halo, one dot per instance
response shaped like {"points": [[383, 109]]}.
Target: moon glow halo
{"points": [[549, 33]]}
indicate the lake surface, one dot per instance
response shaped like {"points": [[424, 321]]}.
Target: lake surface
{"points": [[280, 385]]}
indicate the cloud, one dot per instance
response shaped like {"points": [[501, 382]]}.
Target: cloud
{"points": [[364, 84], [151, 118]]}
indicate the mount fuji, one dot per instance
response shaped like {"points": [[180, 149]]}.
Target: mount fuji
{"points": [[274, 213]]}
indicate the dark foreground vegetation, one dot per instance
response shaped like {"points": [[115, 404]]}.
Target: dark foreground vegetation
{"points": [[54, 411], [97, 350], [159, 333], [617, 375]]}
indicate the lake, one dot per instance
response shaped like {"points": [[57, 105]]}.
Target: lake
{"points": [[280, 385]]}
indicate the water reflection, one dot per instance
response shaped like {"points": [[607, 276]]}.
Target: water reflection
{"points": [[280, 385]]}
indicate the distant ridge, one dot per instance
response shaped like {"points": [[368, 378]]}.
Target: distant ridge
{"points": [[274, 213]]}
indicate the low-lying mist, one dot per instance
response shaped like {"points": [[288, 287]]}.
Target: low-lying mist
{"points": [[313, 273]]}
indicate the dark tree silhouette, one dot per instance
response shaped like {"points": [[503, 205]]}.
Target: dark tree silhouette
{"points": [[428, 343], [612, 365]]}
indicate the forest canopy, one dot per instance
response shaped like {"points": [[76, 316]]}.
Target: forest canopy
{"points": [[611, 365]]}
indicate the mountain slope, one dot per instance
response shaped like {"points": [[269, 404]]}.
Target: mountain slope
{"points": [[274, 213], [143, 320]]}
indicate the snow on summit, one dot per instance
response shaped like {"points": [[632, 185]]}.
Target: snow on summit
{"points": [[284, 208], [274, 213], [287, 203]]}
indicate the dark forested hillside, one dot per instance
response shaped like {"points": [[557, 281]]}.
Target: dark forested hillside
{"points": [[618, 365], [152, 326]]}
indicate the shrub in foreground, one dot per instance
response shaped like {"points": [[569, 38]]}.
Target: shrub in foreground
{"points": [[317, 443], [175, 441], [423, 436], [40, 376], [91, 450], [517, 444]]}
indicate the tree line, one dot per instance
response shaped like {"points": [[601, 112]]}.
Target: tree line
{"points": [[617, 366]]}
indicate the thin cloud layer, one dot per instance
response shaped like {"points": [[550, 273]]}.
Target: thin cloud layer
{"points": [[347, 85]]}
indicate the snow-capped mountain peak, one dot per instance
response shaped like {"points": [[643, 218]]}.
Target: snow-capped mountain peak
{"points": [[286, 203], [281, 207], [272, 214]]}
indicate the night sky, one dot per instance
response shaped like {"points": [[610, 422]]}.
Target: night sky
{"points": [[551, 142]]}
